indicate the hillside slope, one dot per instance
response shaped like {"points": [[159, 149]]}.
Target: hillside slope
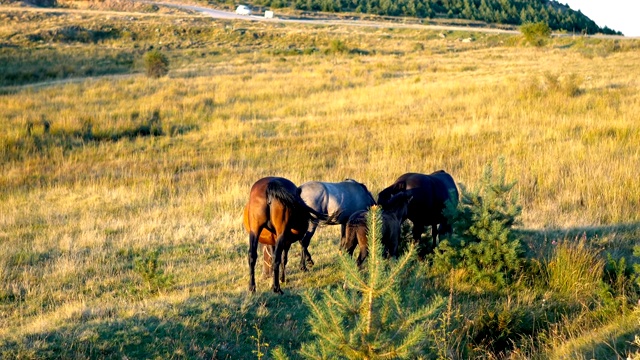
{"points": [[509, 12], [512, 12]]}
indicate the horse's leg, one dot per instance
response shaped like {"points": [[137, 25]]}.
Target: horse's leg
{"points": [[304, 243], [267, 254], [394, 246], [277, 260], [434, 235], [253, 256], [445, 229], [418, 229], [285, 259]]}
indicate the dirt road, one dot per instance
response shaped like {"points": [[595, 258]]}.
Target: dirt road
{"points": [[219, 14]]}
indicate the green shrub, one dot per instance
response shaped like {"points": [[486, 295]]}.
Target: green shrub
{"points": [[636, 267], [536, 33], [483, 242], [147, 266], [156, 64], [337, 46], [621, 279]]}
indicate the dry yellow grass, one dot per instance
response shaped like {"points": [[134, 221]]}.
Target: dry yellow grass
{"points": [[75, 214]]}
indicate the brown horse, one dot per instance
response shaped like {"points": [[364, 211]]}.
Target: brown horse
{"points": [[274, 216], [393, 214]]}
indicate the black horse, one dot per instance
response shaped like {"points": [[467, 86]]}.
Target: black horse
{"points": [[430, 193]]}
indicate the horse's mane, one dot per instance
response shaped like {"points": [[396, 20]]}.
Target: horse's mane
{"points": [[399, 186], [364, 187]]}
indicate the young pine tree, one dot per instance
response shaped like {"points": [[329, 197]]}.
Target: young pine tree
{"points": [[483, 241], [369, 318]]}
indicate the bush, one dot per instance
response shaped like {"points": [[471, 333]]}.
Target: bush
{"points": [[482, 242], [337, 46], [536, 33], [636, 267], [621, 279], [156, 64]]}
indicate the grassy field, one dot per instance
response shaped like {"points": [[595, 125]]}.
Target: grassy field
{"points": [[120, 220]]}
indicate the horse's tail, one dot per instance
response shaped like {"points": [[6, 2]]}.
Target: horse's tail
{"points": [[277, 191]]}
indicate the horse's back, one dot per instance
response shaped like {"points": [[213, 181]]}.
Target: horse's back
{"points": [[314, 194], [430, 193], [337, 200], [437, 185], [349, 197]]}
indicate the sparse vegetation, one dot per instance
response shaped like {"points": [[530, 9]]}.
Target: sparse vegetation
{"points": [[156, 64], [121, 197]]}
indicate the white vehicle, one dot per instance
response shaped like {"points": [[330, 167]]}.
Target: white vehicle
{"points": [[243, 10]]}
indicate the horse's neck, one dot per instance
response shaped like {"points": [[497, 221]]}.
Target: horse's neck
{"points": [[390, 215]]}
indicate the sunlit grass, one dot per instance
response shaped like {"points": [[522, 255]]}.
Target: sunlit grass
{"points": [[76, 211]]}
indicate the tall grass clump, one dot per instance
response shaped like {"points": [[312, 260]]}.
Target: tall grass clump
{"points": [[553, 86], [156, 64], [574, 270], [483, 243], [370, 318]]}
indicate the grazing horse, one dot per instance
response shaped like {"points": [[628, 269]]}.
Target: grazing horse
{"points": [[393, 214], [274, 216], [338, 201], [430, 193]]}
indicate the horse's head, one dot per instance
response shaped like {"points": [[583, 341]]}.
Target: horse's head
{"points": [[385, 195], [398, 204]]}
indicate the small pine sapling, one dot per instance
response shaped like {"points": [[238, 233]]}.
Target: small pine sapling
{"points": [[369, 318]]}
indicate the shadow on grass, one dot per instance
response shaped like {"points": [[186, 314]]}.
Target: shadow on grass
{"points": [[618, 239], [41, 138], [220, 326]]}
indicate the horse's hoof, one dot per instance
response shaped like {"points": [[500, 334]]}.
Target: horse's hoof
{"points": [[310, 262], [304, 268], [252, 288], [277, 290]]}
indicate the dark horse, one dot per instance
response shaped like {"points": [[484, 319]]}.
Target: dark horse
{"points": [[393, 214], [430, 193], [275, 216], [336, 200]]}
